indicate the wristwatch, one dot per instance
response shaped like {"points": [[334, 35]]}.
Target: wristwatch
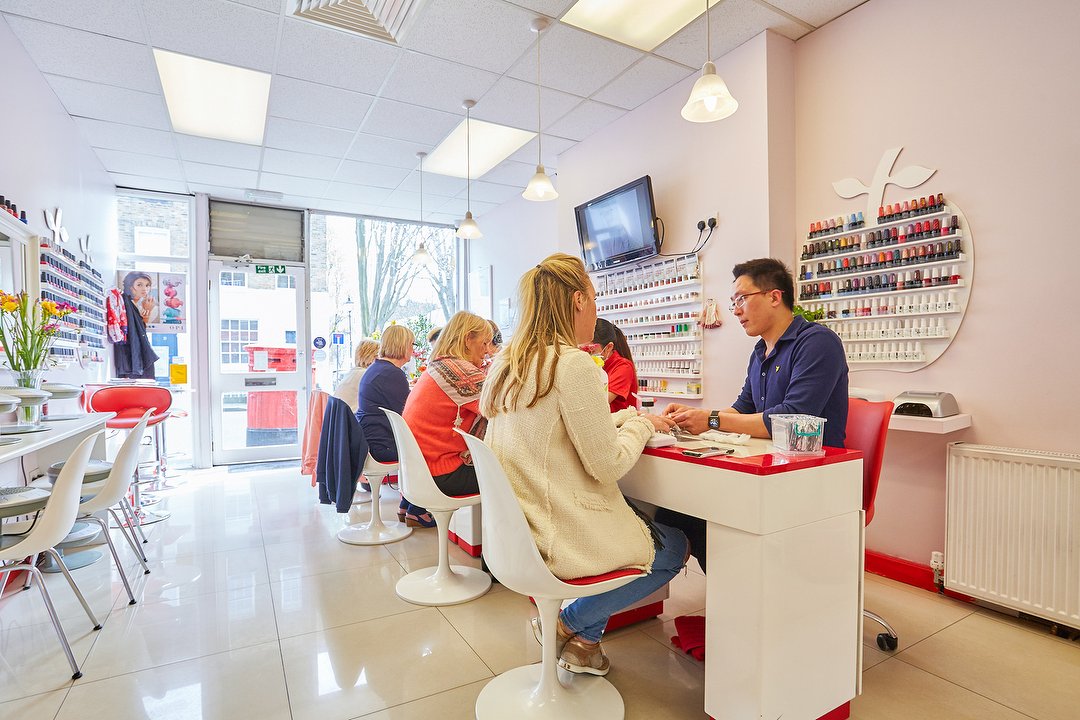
{"points": [[714, 420]]}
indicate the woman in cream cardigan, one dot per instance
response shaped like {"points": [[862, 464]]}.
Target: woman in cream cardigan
{"points": [[564, 453]]}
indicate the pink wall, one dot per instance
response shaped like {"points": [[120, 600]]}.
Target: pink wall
{"points": [[988, 98]]}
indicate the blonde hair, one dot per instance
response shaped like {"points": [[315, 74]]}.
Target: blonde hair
{"points": [[546, 295], [396, 343], [461, 326], [365, 353]]}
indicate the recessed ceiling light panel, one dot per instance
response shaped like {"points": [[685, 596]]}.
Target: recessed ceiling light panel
{"points": [[491, 144], [214, 100], [643, 24]]}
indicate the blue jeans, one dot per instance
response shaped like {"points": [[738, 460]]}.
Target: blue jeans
{"points": [[589, 616]]}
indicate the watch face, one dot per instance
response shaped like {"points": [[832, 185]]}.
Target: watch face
{"points": [[714, 422]]}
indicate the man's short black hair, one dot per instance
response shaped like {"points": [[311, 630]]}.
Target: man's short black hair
{"points": [[768, 274]]}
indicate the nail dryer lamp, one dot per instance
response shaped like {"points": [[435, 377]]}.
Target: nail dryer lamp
{"points": [[926, 404]]}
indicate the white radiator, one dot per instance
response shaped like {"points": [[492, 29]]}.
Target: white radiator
{"points": [[1012, 533]]}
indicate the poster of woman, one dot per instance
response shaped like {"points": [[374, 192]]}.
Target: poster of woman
{"points": [[159, 298]]}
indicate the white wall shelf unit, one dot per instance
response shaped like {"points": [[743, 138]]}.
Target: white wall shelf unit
{"points": [[657, 304], [937, 426]]}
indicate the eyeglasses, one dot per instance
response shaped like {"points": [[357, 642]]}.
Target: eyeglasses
{"points": [[740, 300]]}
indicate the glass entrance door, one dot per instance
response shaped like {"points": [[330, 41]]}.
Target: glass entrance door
{"points": [[259, 368]]}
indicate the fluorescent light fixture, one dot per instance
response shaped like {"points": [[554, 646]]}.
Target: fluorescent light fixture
{"points": [[643, 24], [213, 100], [493, 143]]}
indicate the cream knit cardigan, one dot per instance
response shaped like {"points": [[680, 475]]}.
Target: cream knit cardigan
{"points": [[564, 457]]}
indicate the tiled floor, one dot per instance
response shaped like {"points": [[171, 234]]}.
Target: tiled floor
{"points": [[255, 610]]}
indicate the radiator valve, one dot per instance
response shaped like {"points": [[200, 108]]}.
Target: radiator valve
{"points": [[937, 564]]}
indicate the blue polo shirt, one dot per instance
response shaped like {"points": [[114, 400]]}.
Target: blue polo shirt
{"points": [[806, 373]]}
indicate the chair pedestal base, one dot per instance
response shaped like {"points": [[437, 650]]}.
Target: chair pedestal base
{"points": [[371, 534], [516, 693], [427, 587]]}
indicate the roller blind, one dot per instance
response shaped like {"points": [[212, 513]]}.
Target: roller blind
{"points": [[264, 233]]}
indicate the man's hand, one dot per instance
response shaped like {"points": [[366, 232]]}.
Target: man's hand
{"points": [[691, 420], [660, 424]]}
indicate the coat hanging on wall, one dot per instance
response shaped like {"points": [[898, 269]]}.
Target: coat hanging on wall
{"points": [[133, 357]]}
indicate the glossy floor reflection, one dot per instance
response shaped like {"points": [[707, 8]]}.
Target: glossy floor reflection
{"points": [[254, 609]]}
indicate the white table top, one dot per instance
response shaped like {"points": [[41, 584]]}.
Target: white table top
{"points": [[58, 430]]}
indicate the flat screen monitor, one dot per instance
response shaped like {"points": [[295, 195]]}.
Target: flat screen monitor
{"points": [[619, 226]]}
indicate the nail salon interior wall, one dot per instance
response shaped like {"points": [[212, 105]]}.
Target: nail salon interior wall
{"points": [[986, 94], [45, 163], [740, 168]]}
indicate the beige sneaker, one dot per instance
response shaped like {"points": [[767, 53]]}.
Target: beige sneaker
{"points": [[582, 657], [560, 640]]}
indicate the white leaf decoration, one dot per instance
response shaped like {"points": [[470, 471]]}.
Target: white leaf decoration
{"points": [[912, 176], [849, 188]]}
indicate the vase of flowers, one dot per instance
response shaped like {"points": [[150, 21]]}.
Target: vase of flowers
{"points": [[28, 329]]}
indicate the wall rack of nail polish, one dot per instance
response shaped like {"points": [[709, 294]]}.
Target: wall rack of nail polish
{"points": [[64, 277], [657, 304], [910, 318]]}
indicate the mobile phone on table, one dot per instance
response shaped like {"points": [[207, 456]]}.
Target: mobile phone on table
{"points": [[705, 452]]}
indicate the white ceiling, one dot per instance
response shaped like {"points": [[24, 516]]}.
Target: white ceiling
{"points": [[348, 114]]}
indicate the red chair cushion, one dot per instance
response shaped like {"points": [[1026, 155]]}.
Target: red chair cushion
{"points": [[129, 403], [614, 574]]}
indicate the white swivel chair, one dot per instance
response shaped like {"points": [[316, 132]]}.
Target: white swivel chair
{"points": [[536, 691], [375, 531], [445, 584], [52, 526], [110, 493]]}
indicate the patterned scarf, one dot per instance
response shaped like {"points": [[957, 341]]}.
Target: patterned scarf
{"points": [[461, 381]]}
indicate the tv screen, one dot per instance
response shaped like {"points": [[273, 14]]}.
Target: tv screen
{"points": [[619, 226]]}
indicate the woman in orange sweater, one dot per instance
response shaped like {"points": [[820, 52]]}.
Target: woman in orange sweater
{"points": [[446, 397]]}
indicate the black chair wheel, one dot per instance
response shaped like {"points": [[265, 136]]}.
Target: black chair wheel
{"points": [[887, 642]]}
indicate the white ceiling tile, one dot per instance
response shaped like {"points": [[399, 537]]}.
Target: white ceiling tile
{"points": [[330, 57], [816, 12], [362, 173], [105, 102], [349, 208], [355, 193], [552, 147], [104, 17], [405, 200], [214, 30], [143, 165], [490, 192], [551, 8], [273, 6], [387, 151], [733, 23], [644, 81], [433, 83], [486, 34], [291, 185], [444, 218], [115, 136], [86, 56], [139, 182], [435, 186], [218, 152], [575, 61], [457, 207], [513, 102], [585, 119], [393, 119], [509, 172], [203, 174], [391, 212], [320, 104], [283, 162], [305, 137]]}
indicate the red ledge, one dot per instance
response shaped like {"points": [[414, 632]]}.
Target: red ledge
{"points": [[907, 572], [767, 464], [472, 550]]}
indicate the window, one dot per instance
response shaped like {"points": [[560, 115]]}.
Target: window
{"points": [[286, 281], [235, 279], [235, 336]]}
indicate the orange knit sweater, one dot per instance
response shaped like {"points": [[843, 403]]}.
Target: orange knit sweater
{"points": [[430, 414]]}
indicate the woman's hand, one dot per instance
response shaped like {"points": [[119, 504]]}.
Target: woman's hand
{"points": [[146, 309], [691, 420], [660, 424]]}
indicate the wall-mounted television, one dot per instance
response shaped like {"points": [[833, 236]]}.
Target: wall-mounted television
{"points": [[619, 226]]}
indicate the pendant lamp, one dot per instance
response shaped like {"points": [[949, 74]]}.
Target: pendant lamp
{"points": [[539, 188], [710, 99], [422, 256], [468, 229]]}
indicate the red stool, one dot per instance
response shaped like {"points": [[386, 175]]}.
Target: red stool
{"points": [[130, 402]]}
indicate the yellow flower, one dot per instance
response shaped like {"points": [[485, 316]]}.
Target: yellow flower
{"points": [[9, 306], [49, 306]]}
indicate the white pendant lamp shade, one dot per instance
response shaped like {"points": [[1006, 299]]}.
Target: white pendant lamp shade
{"points": [[710, 99], [422, 256], [540, 187], [468, 229]]}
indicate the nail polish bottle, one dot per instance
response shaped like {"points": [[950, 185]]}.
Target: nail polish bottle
{"points": [[954, 223], [955, 278], [941, 201], [859, 221], [922, 206], [22, 216]]}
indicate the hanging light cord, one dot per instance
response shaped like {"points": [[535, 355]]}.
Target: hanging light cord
{"points": [[539, 152], [468, 159], [421, 192], [708, 34]]}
